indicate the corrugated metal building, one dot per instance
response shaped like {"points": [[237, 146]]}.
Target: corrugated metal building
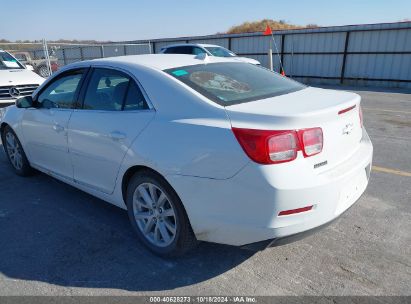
{"points": [[370, 55]]}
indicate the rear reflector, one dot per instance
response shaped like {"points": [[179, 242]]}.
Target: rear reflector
{"points": [[346, 110], [293, 211]]}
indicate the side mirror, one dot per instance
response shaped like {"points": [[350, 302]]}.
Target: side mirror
{"points": [[24, 102], [29, 67]]}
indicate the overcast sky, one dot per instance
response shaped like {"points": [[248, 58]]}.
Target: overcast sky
{"points": [[118, 20]]}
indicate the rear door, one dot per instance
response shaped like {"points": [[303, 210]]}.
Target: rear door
{"points": [[45, 127], [114, 111]]}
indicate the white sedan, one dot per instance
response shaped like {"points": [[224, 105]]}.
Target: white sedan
{"points": [[195, 148], [209, 49]]}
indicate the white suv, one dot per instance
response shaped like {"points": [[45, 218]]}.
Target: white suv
{"points": [[15, 79], [209, 49]]}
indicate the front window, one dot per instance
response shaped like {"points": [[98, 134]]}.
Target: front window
{"points": [[8, 62], [233, 83], [61, 93], [219, 51]]}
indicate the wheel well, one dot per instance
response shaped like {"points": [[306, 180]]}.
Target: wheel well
{"points": [[2, 126], [129, 174]]}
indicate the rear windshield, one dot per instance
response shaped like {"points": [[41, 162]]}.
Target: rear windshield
{"points": [[232, 83]]}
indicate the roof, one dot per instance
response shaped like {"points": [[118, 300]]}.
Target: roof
{"points": [[159, 61], [191, 44]]}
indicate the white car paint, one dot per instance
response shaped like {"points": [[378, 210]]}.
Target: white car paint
{"points": [[204, 48], [188, 139], [20, 78]]}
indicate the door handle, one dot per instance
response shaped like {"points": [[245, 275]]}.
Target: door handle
{"points": [[117, 135], [58, 128]]}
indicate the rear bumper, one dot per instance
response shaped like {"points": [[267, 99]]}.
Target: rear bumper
{"points": [[245, 209], [257, 246]]}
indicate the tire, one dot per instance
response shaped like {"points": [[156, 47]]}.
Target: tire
{"points": [[168, 230], [43, 71], [15, 153]]}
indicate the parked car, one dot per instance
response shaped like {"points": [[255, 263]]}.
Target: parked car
{"points": [[220, 151], [39, 64], [209, 49], [16, 80]]}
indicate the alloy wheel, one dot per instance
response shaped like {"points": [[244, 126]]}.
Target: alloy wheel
{"points": [[14, 151], [154, 214]]}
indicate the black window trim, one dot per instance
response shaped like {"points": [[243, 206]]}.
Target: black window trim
{"points": [[128, 75], [61, 75]]}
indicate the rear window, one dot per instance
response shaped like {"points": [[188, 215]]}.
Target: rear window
{"points": [[232, 83]]}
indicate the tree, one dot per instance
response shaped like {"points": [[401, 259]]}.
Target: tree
{"points": [[260, 26]]}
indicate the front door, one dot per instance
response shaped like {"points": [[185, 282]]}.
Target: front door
{"points": [[45, 126]]}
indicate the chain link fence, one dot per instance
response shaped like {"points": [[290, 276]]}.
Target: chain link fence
{"points": [[45, 57]]}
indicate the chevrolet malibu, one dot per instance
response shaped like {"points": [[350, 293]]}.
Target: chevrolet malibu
{"points": [[196, 148]]}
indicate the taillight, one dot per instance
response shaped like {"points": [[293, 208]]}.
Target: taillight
{"points": [[267, 147], [273, 147], [282, 147], [312, 141]]}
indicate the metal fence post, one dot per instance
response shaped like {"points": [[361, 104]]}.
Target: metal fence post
{"points": [[154, 47], [347, 38], [282, 52], [102, 51], [270, 58], [81, 54], [229, 43], [64, 56], [46, 56]]}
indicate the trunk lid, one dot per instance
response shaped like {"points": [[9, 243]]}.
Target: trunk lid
{"points": [[307, 108]]}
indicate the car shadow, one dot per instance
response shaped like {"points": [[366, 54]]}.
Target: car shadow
{"points": [[54, 233]]}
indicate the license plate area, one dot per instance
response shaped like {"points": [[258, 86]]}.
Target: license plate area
{"points": [[352, 190]]}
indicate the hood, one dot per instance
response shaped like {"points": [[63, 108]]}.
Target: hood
{"points": [[18, 77], [246, 59]]}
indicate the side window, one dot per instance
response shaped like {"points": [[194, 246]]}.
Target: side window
{"points": [[61, 92], [20, 57], [106, 90], [186, 50], [135, 99], [197, 50], [170, 50]]}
